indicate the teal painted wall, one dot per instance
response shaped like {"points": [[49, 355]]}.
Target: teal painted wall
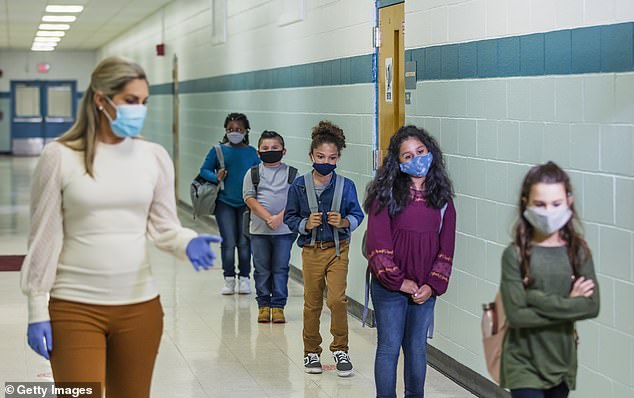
{"points": [[292, 113]]}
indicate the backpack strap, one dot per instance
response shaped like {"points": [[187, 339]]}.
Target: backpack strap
{"points": [[368, 282], [292, 174], [312, 201], [336, 206], [255, 177], [442, 216], [221, 160]]}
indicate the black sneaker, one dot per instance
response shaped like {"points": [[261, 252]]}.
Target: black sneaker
{"points": [[312, 363], [344, 365]]}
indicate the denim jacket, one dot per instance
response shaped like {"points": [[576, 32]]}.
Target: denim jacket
{"points": [[298, 211]]}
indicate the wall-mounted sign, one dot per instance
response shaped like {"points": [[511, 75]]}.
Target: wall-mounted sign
{"points": [[43, 67], [389, 84]]}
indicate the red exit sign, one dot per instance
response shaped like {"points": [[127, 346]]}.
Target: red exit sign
{"points": [[43, 67]]}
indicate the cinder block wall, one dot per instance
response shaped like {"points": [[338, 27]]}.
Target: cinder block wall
{"points": [[508, 84]]}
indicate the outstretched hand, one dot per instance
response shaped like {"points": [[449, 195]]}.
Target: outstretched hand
{"points": [[40, 337], [199, 252]]}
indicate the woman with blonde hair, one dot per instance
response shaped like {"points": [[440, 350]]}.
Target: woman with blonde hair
{"points": [[97, 192]]}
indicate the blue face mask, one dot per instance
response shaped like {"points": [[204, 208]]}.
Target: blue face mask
{"points": [[129, 119], [419, 166], [324, 168]]}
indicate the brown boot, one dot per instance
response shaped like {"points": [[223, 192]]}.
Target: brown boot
{"points": [[278, 315], [264, 315]]}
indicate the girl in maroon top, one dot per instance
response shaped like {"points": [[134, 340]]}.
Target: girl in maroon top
{"points": [[410, 244]]}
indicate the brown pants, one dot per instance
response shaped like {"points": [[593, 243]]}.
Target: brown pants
{"points": [[322, 267], [115, 345]]}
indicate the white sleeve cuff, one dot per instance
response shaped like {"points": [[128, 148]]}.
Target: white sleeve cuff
{"points": [[38, 308]]}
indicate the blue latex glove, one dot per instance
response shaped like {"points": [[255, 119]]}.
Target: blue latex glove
{"points": [[199, 252], [40, 336]]}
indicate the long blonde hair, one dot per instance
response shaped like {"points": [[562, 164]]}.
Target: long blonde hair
{"points": [[108, 78]]}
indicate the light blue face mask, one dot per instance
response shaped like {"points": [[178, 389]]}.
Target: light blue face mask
{"points": [[418, 166], [129, 119]]}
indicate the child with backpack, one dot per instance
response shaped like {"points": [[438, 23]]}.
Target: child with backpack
{"points": [[323, 208], [410, 244], [228, 169], [265, 189], [548, 283]]}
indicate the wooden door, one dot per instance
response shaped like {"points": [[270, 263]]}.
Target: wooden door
{"points": [[391, 74]]}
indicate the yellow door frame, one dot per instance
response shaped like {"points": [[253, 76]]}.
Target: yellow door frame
{"points": [[391, 74]]}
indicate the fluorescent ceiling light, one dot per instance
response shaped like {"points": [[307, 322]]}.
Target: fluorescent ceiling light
{"points": [[50, 33], [41, 48], [47, 39], [54, 26], [44, 44], [59, 18], [64, 8]]}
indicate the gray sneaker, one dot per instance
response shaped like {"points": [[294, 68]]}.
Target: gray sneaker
{"points": [[312, 363], [344, 365]]}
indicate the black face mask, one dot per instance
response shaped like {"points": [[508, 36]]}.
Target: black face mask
{"points": [[271, 156]]}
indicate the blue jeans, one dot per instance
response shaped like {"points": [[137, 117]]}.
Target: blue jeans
{"points": [[560, 391], [400, 323], [229, 221], [271, 255]]}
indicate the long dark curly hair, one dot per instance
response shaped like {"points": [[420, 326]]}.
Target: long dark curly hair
{"points": [[577, 248], [391, 187]]}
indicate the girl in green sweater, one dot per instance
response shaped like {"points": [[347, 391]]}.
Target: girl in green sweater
{"points": [[548, 283]]}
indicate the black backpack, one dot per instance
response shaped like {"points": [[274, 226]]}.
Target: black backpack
{"points": [[255, 180]]}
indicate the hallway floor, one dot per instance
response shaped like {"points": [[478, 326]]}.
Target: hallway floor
{"points": [[211, 345]]}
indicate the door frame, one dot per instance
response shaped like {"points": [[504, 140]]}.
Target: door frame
{"points": [[381, 136], [175, 123]]}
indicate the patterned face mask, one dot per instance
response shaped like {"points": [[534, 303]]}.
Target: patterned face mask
{"points": [[418, 166], [235, 137]]}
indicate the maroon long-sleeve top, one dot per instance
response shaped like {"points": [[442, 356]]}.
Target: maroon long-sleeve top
{"points": [[409, 245]]}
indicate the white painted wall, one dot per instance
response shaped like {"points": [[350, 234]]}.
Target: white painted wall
{"points": [[65, 65], [434, 22], [256, 38], [493, 130]]}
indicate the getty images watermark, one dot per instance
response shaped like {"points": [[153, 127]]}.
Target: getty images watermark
{"points": [[51, 390]]}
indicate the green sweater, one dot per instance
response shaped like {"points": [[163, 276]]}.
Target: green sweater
{"points": [[539, 349]]}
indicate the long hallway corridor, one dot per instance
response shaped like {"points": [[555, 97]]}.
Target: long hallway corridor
{"points": [[211, 345]]}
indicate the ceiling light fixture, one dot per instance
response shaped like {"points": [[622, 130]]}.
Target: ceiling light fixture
{"points": [[47, 39], [42, 48], [64, 8], [36, 44], [50, 33], [59, 18], [54, 26]]}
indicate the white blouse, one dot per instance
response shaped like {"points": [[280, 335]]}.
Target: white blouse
{"points": [[88, 235]]}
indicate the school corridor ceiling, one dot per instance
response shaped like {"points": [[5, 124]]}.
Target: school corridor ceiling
{"points": [[98, 23]]}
